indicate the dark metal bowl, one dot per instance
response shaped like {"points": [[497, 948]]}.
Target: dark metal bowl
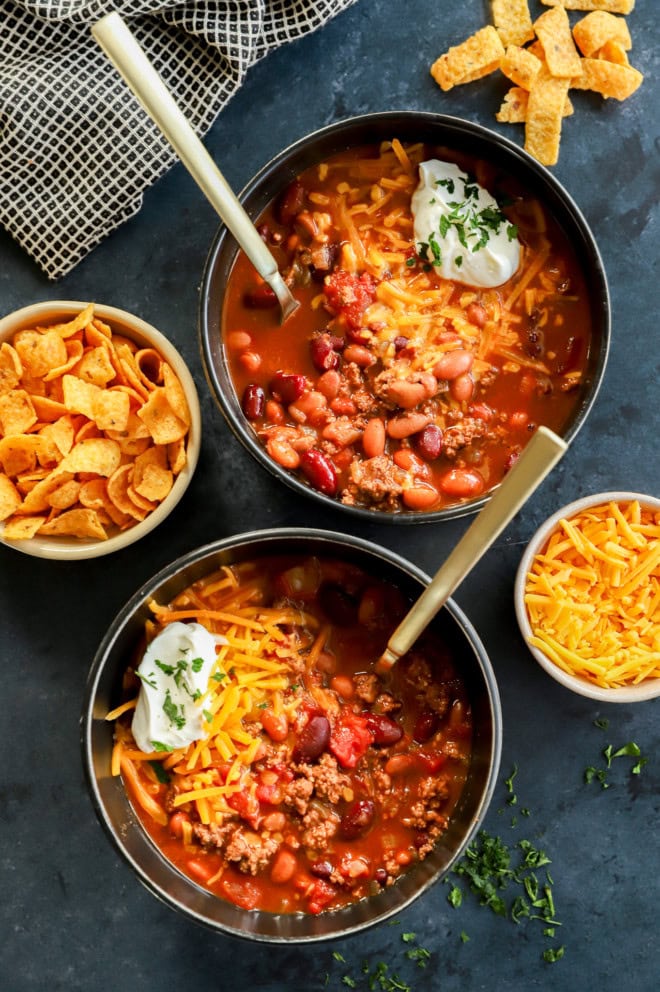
{"points": [[437, 129], [116, 814]]}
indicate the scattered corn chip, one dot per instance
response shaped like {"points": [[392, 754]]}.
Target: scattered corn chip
{"points": [[478, 56], [513, 21], [545, 109], [613, 6], [76, 523], [520, 66], [608, 79], [514, 107], [599, 27], [613, 51], [10, 498], [553, 30]]}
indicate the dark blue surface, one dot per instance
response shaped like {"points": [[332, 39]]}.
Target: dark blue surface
{"points": [[73, 916]]}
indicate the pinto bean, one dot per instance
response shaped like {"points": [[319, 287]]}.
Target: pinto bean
{"points": [[462, 482], [407, 425], [310, 408], [274, 412], [275, 725], [250, 360], [360, 355], [399, 764], [476, 314], [329, 384], [281, 451], [420, 497], [406, 394], [343, 406], [453, 364], [373, 438], [283, 867], [343, 685], [313, 739], [462, 388], [239, 340]]}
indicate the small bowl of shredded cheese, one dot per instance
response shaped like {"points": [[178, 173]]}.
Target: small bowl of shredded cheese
{"points": [[587, 596]]}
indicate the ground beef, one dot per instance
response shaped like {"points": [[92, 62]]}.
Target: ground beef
{"points": [[438, 698], [212, 836], [386, 703], [461, 435], [329, 782], [298, 793], [382, 780], [418, 673], [366, 687], [320, 827], [251, 851], [376, 480], [433, 793]]}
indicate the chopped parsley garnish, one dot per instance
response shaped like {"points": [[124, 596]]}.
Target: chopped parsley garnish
{"points": [[147, 680], [219, 676], [173, 712], [157, 746], [629, 750], [473, 226], [160, 772], [197, 664], [208, 716], [602, 723], [166, 669]]}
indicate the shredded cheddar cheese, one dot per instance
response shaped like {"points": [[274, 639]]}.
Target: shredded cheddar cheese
{"points": [[593, 595]]}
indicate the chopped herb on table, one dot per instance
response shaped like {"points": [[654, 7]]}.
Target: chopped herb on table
{"points": [[504, 878], [380, 976], [629, 750]]}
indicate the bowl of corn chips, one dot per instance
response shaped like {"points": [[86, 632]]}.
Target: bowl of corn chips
{"points": [[99, 429], [587, 596]]}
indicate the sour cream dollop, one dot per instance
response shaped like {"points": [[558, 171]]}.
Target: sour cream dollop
{"points": [[460, 229], [174, 673]]}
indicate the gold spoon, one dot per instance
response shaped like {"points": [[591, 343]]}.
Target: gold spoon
{"points": [[536, 461], [121, 47]]}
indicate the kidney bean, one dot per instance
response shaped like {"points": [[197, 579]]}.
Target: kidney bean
{"points": [[291, 202], [420, 497], [329, 384], [453, 364], [324, 356], [357, 819], [254, 401], [400, 342], [407, 424], [275, 725], [358, 335], [405, 394], [462, 482], [313, 739], [239, 340], [327, 663], [337, 604], [428, 443], [321, 869], [288, 386], [511, 460], [282, 452], [259, 297], [274, 412], [380, 876], [319, 471], [283, 866], [386, 731], [360, 355], [425, 726], [462, 388], [373, 438], [476, 314]]}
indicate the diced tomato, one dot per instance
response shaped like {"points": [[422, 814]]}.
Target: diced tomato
{"points": [[247, 807], [321, 895], [349, 295], [271, 794], [350, 737], [242, 892]]}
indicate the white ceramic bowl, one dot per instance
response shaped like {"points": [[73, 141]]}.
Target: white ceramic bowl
{"points": [[649, 688], [130, 326]]}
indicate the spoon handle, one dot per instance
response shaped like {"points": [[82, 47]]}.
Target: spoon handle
{"points": [[121, 47], [538, 458]]}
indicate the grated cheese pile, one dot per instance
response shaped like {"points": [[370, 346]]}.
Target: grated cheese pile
{"points": [[593, 595]]}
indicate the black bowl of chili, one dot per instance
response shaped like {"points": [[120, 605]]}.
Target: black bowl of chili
{"points": [[338, 798], [394, 391]]}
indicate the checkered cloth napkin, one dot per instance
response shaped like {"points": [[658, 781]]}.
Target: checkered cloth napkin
{"points": [[76, 149]]}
